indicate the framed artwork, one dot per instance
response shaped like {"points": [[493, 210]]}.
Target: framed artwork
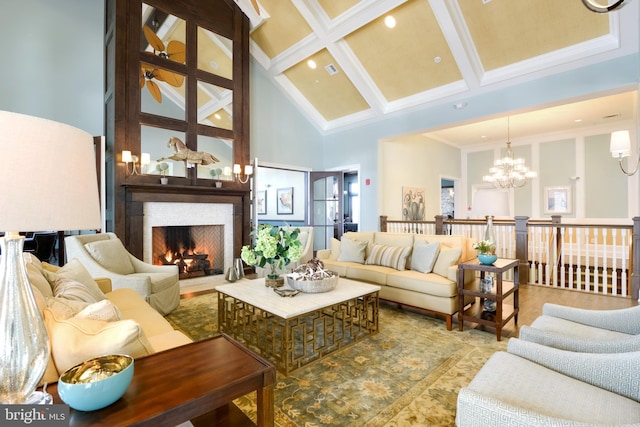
{"points": [[261, 202], [285, 201], [557, 200], [412, 204]]}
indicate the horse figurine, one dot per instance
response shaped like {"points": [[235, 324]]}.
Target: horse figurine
{"points": [[181, 152]]}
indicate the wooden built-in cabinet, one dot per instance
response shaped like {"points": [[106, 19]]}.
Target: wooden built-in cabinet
{"points": [[204, 102]]}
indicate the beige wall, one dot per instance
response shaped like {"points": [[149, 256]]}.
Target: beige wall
{"points": [[414, 162]]}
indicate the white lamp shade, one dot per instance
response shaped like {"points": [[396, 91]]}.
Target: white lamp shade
{"points": [[492, 202], [620, 143], [126, 156], [145, 159], [47, 175]]}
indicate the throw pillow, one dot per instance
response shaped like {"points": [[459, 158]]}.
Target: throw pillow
{"points": [[335, 249], [73, 290], [424, 256], [65, 308], [102, 310], [37, 279], [74, 270], [75, 340], [352, 251], [446, 259], [112, 255], [389, 256]]}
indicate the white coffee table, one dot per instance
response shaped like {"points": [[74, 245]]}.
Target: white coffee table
{"points": [[295, 331]]}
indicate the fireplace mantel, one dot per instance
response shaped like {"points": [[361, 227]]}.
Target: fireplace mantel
{"points": [[137, 195]]}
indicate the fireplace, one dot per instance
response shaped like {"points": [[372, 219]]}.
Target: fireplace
{"points": [[209, 225], [197, 250]]}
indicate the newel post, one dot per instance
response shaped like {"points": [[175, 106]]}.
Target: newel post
{"points": [[522, 248], [635, 275], [383, 222], [439, 224]]}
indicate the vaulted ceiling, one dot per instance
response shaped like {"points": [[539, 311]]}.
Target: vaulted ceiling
{"points": [[439, 51]]}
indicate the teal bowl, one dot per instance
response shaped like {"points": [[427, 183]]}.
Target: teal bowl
{"points": [[487, 259], [96, 383]]}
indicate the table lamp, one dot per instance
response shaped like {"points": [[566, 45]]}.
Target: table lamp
{"points": [[48, 181]]}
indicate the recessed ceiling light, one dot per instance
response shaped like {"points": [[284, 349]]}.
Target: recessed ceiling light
{"points": [[437, 59], [578, 120], [390, 21], [214, 65], [217, 116], [459, 105], [312, 64]]}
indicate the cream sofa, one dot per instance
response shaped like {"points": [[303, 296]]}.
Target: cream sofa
{"points": [[414, 270], [86, 318]]}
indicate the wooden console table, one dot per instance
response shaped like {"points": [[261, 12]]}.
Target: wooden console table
{"points": [[191, 382], [503, 289]]}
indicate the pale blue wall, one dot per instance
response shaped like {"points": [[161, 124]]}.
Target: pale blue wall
{"points": [[557, 166], [52, 60], [279, 132], [607, 195]]}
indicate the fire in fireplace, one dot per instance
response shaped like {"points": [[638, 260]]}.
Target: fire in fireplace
{"points": [[197, 250]]}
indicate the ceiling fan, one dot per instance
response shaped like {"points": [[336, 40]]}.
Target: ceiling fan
{"points": [[148, 74], [603, 6], [175, 50]]}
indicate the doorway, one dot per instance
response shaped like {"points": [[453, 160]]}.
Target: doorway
{"points": [[447, 198]]}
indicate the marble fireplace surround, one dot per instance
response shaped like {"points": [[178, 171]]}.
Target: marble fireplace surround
{"points": [[162, 214]]}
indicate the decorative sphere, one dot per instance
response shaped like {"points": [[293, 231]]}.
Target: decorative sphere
{"points": [[96, 383]]}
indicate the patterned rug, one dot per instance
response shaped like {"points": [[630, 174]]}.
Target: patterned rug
{"points": [[409, 374]]}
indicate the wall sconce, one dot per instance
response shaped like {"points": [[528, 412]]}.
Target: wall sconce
{"points": [[248, 171], [620, 148], [127, 158]]}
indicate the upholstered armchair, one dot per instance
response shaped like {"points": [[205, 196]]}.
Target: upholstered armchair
{"points": [[583, 330], [306, 238], [536, 385], [104, 255]]}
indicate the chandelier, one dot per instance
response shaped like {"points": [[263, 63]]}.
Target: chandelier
{"points": [[509, 172]]}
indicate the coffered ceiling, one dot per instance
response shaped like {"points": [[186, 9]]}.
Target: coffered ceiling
{"points": [[440, 51]]}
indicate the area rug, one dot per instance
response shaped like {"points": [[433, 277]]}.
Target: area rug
{"points": [[408, 374]]}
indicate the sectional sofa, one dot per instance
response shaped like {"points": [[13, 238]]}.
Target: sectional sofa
{"points": [[85, 318], [415, 270]]}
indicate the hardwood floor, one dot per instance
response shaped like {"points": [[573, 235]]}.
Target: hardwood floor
{"points": [[533, 297]]}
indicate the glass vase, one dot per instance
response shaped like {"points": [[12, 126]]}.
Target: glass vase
{"points": [[273, 279], [24, 343]]}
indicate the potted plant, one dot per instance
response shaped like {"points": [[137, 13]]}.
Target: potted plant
{"points": [[486, 251], [274, 246], [162, 168], [215, 173]]}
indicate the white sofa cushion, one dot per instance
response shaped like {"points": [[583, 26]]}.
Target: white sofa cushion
{"points": [[389, 256], [352, 251], [424, 256], [75, 340], [112, 255]]}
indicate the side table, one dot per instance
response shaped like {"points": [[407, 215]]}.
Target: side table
{"points": [[504, 312], [197, 382]]}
